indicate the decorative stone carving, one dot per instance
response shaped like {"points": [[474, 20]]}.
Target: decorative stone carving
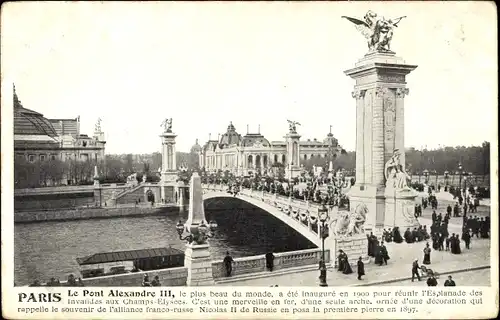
{"points": [[358, 94], [395, 174], [349, 224], [402, 92], [409, 212], [380, 92], [389, 116], [391, 78]]}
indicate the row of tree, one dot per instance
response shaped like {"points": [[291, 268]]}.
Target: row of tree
{"points": [[116, 168]]}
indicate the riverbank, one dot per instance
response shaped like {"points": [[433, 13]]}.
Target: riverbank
{"points": [[85, 213]]}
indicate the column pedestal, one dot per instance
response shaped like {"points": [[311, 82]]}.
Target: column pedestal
{"points": [[199, 264], [354, 247], [374, 199], [400, 209]]}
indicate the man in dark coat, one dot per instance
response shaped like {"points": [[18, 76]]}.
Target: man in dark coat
{"points": [[449, 282], [228, 264], [432, 282], [370, 245], [456, 210], [270, 261], [384, 253], [434, 215], [361, 268]]}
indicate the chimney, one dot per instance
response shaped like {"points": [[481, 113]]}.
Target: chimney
{"points": [[209, 136], [259, 129], [247, 129]]}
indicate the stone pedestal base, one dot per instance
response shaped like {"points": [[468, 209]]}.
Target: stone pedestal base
{"points": [[199, 264], [169, 176], [374, 199], [400, 209], [354, 247]]}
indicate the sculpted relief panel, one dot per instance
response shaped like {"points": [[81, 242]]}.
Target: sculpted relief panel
{"points": [[389, 121]]}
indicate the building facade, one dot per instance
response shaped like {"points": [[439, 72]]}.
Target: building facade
{"points": [[38, 139], [252, 152]]}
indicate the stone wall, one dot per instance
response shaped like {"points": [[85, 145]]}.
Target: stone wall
{"points": [[284, 260], [47, 202], [89, 213]]}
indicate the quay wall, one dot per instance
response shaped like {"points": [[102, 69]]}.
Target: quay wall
{"points": [[91, 213]]}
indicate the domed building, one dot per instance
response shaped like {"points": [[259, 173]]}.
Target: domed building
{"points": [[252, 152], [38, 139]]}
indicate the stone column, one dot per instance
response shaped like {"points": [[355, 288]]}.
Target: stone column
{"points": [[360, 162], [400, 127], [378, 150]]}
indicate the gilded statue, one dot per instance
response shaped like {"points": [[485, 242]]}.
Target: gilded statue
{"points": [[395, 174], [167, 125], [377, 30], [98, 125], [292, 125]]}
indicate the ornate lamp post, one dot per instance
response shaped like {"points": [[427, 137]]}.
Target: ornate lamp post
{"points": [[323, 218], [460, 173], [446, 176]]}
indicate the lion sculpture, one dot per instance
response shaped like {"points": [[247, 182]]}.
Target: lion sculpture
{"points": [[351, 223]]}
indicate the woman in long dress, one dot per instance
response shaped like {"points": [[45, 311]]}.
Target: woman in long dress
{"points": [[427, 254], [340, 260], [396, 235], [347, 266]]}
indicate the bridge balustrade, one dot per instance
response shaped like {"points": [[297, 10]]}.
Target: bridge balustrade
{"points": [[257, 264]]}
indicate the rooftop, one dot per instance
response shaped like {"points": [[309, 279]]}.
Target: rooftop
{"points": [[129, 255]]}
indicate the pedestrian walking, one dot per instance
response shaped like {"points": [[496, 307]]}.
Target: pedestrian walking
{"points": [[414, 270], [361, 268]]}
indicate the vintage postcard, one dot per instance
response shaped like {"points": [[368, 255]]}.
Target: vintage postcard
{"points": [[249, 160]]}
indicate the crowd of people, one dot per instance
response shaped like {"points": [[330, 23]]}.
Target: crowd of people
{"points": [[315, 189]]}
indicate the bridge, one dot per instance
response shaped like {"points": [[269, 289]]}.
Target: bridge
{"points": [[302, 216]]}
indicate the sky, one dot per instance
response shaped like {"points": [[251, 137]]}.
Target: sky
{"points": [[206, 64]]}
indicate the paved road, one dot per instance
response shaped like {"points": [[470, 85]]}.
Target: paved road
{"points": [[472, 278]]}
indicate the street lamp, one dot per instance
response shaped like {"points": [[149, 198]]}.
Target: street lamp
{"points": [[460, 173], [323, 218], [199, 234], [446, 173]]}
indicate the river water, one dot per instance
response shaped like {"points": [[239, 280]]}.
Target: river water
{"points": [[49, 249]]}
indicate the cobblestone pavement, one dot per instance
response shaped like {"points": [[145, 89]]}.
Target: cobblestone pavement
{"points": [[476, 278], [399, 266]]}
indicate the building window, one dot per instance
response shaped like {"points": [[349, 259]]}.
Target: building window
{"points": [[42, 157], [52, 157], [31, 158]]}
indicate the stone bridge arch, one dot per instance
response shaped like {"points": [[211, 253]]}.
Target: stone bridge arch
{"points": [[295, 223]]}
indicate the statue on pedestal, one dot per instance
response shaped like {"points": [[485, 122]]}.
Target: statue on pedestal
{"points": [[292, 125], [167, 125], [395, 175], [97, 127], [377, 30]]}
